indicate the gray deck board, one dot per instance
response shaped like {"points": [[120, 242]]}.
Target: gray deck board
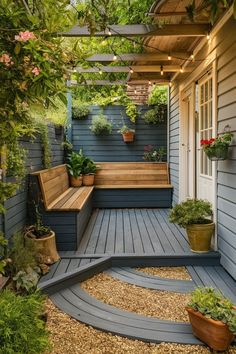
{"points": [[119, 232]]}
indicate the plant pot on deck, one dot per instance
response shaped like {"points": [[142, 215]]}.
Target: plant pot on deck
{"points": [[76, 181], [88, 180], [214, 333], [45, 246], [199, 236]]}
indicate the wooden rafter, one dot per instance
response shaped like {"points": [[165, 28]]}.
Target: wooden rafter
{"points": [[135, 68], [147, 57], [179, 30]]}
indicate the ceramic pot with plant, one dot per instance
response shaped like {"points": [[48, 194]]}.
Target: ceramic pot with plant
{"points": [[213, 318], [89, 170], [75, 165], [44, 240], [195, 216], [217, 148], [127, 134]]}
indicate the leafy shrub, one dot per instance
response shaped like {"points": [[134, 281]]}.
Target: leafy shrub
{"points": [[90, 167], [158, 95], [192, 211], [75, 164], [3, 261], [213, 304], [131, 111], [101, 125], [155, 115], [22, 331], [80, 112]]}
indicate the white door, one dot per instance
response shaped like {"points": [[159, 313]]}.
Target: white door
{"points": [[205, 129]]}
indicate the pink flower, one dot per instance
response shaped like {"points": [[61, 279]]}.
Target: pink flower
{"points": [[6, 59], [36, 71], [25, 36]]}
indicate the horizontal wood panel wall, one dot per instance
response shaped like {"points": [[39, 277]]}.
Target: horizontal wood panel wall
{"points": [[174, 141], [225, 46], [111, 147], [16, 207], [226, 186]]}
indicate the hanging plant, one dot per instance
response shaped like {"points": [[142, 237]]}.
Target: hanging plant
{"points": [[101, 125], [131, 111], [80, 112], [156, 115], [217, 148]]}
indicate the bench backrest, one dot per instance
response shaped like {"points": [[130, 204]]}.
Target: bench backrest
{"points": [[128, 173], [53, 182]]}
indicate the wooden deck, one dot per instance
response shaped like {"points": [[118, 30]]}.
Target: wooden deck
{"points": [[116, 241]]}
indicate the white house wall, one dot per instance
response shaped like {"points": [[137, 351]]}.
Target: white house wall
{"points": [[223, 45]]}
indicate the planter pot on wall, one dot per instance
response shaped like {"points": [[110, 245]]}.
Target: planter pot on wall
{"points": [[88, 180], [199, 236], [128, 137], [215, 334], [45, 246], [217, 153], [76, 181]]}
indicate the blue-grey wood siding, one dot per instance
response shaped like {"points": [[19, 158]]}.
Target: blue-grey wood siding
{"points": [[224, 45], [174, 141], [16, 207], [112, 147]]}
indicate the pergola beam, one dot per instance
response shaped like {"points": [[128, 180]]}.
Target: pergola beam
{"points": [[120, 82], [135, 68], [147, 57], [179, 30]]}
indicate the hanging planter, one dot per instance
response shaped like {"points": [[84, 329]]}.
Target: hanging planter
{"points": [[127, 134], [216, 149]]}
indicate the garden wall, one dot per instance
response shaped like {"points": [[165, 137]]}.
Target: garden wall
{"points": [[111, 147], [16, 207]]}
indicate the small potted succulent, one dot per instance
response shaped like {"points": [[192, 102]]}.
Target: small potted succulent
{"points": [[44, 239], [75, 166], [127, 133], [213, 318], [195, 216], [217, 148]]}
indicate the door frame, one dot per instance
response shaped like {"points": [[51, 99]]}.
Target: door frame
{"points": [[184, 88]]}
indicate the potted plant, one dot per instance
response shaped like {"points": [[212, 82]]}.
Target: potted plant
{"points": [[153, 154], [101, 125], [44, 240], [127, 133], [75, 165], [80, 112], [89, 170], [193, 215], [213, 318], [217, 148]]}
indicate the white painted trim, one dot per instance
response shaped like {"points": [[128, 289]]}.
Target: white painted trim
{"points": [[215, 164]]}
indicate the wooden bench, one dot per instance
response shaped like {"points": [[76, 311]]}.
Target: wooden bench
{"points": [[65, 209], [132, 184]]}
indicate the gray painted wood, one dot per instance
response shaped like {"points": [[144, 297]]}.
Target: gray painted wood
{"points": [[112, 147]]}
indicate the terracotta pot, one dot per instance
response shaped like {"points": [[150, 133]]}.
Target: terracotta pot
{"points": [[128, 137], [215, 334], [45, 246], [199, 236], [88, 180], [76, 181]]}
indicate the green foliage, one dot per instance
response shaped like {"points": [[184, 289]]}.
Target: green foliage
{"points": [[80, 112], [47, 154], [131, 111], [125, 129], [75, 164], [3, 247], [155, 115], [22, 331], [213, 8], [16, 161], [38, 230], [27, 280], [158, 95], [213, 304], [101, 125], [7, 190], [154, 154], [89, 167], [191, 211]]}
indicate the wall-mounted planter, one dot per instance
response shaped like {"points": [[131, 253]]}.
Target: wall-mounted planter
{"points": [[128, 137], [217, 153]]}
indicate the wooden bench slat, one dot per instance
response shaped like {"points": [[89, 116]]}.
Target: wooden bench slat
{"points": [[130, 172], [136, 182], [76, 194], [58, 202], [133, 186], [132, 165], [79, 203]]}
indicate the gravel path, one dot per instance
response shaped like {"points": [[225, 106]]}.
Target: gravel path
{"points": [[179, 273]]}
